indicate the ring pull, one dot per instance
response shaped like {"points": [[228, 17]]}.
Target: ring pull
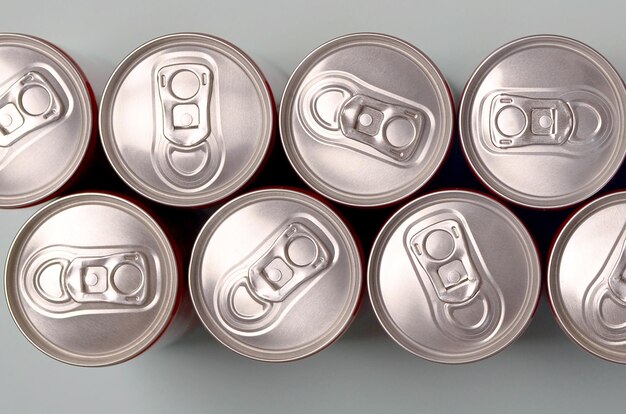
{"points": [[119, 278], [518, 121], [28, 104], [392, 130], [575, 121], [260, 292], [189, 154], [443, 253], [340, 109], [295, 256], [62, 281], [185, 93], [604, 303], [468, 305]]}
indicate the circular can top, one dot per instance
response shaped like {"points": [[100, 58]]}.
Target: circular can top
{"points": [[91, 280], [187, 119], [366, 119], [587, 277], [542, 121], [45, 119], [275, 275], [454, 277]]}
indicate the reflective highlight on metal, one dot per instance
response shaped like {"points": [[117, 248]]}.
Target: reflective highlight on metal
{"points": [[206, 114], [92, 280], [45, 119], [587, 277], [454, 277], [366, 119], [275, 275], [542, 121]]}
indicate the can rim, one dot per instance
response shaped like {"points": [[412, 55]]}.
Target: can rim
{"points": [[464, 120], [14, 303], [518, 326], [195, 287], [107, 137], [440, 85], [79, 83], [569, 226]]}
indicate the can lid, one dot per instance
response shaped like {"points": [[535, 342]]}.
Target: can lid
{"points": [[186, 119], [587, 277], [542, 121], [91, 280], [366, 119], [275, 275], [45, 119], [454, 277]]}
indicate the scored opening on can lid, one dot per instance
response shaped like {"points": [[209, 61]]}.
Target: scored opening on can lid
{"points": [[454, 277], [586, 277], [275, 275], [187, 119], [541, 121], [91, 280], [45, 119], [366, 119]]}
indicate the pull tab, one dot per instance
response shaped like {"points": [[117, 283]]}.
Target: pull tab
{"points": [[64, 281], [185, 92], [617, 284], [297, 255], [604, 300], [393, 130], [442, 251], [118, 278], [518, 121], [617, 278], [29, 104]]}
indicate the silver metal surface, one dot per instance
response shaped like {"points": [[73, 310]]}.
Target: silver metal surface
{"points": [[45, 119], [454, 277], [542, 121], [366, 119], [186, 119], [91, 280], [275, 275], [587, 277]]}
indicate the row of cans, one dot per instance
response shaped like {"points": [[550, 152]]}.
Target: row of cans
{"points": [[366, 120], [276, 275]]}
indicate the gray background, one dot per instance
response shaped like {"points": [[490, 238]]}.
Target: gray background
{"points": [[364, 371]]}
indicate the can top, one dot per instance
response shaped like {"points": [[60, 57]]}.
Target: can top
{"points": [[45, 119], [91, 280], [454, 277], [366, 119], [186, 119], [586, 277], [275, 275], [542, 121]]}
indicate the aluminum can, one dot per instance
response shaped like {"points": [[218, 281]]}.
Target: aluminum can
{"points": [[276, 275], [366, 119], [187, 119], [454, 277], [46, 120], [542, 121], [92, 280], [587, 277]]}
